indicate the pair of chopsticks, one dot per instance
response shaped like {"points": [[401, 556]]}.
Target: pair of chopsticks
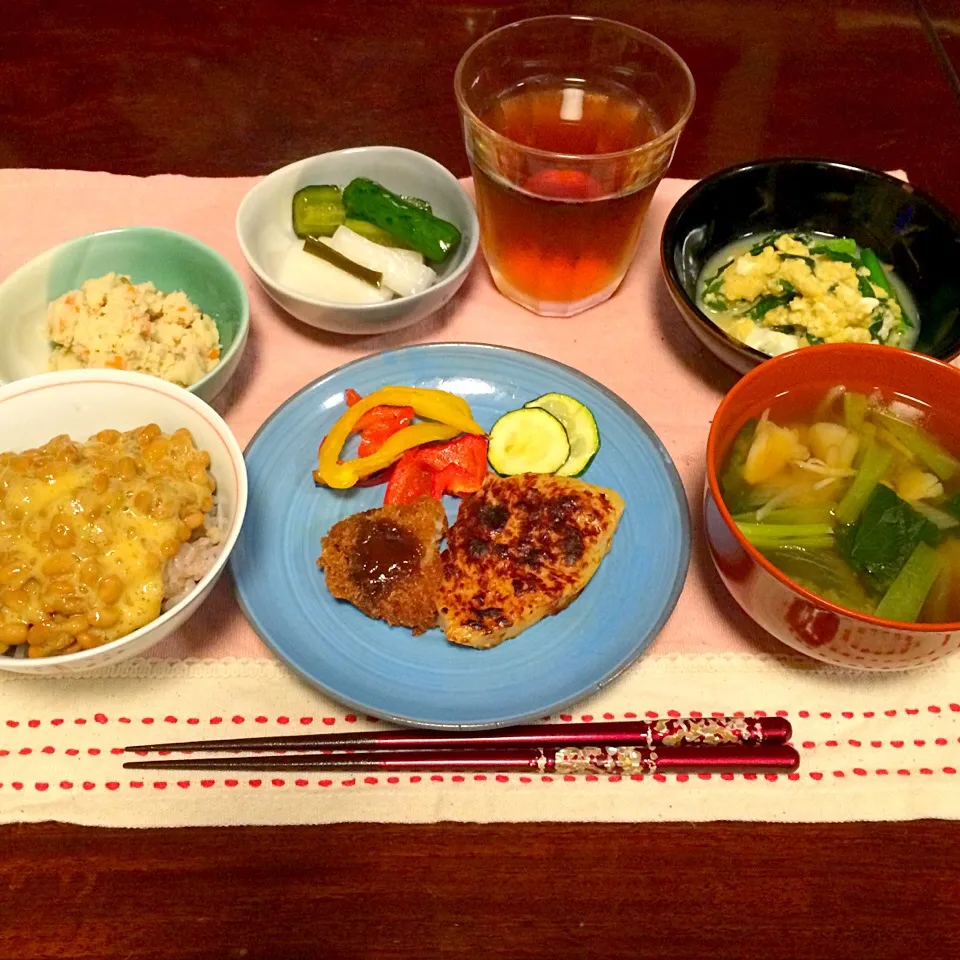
{"points": [[690, 745]]}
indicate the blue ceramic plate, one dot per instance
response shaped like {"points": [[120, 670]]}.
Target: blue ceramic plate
{"points": [[387, 672]]}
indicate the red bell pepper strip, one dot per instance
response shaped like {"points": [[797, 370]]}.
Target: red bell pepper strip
{"points": [[383, 416], [468, 453], [457, 466], [378, 424], [411, 480], [445, 480]]}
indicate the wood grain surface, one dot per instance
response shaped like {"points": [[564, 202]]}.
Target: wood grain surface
{"points": [[218, 89], [941, 18], [719, 891], [222, 89]]}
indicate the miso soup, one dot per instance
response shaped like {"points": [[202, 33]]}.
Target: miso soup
{"points": [[856, 498]]}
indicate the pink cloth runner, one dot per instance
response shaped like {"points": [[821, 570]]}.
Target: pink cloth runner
{"points": [[873, 746], [636, 344]]}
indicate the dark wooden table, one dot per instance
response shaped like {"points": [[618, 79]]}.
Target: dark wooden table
{"points": [[220, 89]]}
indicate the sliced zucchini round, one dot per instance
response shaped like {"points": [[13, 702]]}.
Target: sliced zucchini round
{"points": [[581, 428], [528, 441]]}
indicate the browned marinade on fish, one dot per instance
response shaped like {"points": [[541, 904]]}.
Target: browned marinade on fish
{"points": [[522, 548]]}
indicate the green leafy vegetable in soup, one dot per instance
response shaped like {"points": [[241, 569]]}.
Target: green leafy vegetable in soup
{"points": [[793, 290], [856, 501]]}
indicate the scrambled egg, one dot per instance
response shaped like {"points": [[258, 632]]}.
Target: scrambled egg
{"points": [[789, 294], [111, 322]]}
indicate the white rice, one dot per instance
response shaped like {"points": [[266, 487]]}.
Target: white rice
{"points": [[195, 558]]}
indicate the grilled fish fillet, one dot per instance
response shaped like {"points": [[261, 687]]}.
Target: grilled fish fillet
{"points": [[522, 548], [386, 562]]}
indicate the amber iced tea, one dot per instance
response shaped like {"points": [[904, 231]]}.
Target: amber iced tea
{"points": [[560, 235], [569, 123]]}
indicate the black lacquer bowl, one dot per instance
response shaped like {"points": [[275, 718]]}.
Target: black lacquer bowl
{"points": [[904, 226]]}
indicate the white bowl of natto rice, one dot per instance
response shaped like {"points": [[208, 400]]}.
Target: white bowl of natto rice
{"points": [[127, 524]]}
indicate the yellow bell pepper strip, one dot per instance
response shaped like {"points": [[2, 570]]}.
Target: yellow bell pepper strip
{"points": [[439, 405], [451, 415]]}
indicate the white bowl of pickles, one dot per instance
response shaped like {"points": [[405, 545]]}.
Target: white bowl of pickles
{"points": [[359, 241]]}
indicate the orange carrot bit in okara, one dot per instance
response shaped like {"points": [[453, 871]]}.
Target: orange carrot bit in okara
{"points": [[214, 354], [116, 363]]}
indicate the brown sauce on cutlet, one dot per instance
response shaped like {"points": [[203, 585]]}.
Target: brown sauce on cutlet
{"points": [[384, 555]]}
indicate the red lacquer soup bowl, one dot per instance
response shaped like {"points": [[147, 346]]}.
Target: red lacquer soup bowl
{"points": [[791, 613]]}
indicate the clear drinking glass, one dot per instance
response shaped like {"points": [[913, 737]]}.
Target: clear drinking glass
{"points": [[569, 123]]}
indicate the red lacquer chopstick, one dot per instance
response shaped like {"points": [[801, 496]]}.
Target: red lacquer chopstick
{"points": [[598, 759], [690, 731]]}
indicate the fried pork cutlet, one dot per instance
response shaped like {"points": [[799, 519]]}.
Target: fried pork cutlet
{"points": [[522, 548], [386, 562]]}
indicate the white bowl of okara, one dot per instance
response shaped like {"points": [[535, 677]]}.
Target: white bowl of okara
{"points": [[149, 464]]}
